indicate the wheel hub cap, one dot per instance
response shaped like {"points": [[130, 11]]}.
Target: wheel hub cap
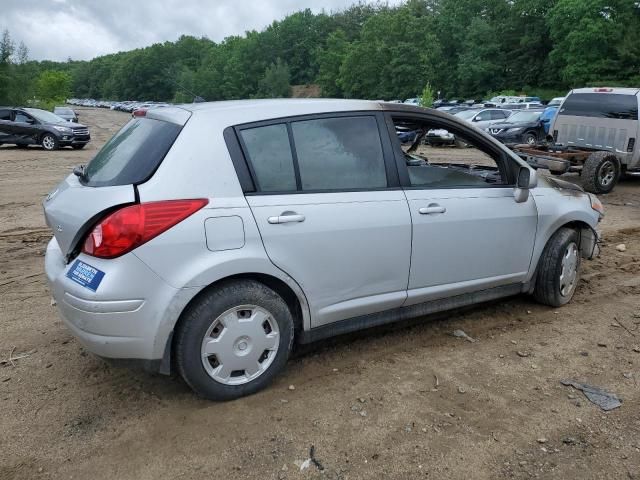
{"points": [[607, 173], [240, 345], [569, 274]]}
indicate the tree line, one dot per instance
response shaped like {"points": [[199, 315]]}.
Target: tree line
{"points": [[460, 48]]}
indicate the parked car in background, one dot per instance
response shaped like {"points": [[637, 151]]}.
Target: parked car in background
{"points": [[412, 101], [484, 117], [32, 126], [326, 226], [67, 113], [555, 102], [142, 109], [549, 113], [521, 127], [438, 137]]}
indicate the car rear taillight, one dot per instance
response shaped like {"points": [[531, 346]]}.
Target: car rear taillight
{"points": [[603, 90], [128, 228], [140, 113]]}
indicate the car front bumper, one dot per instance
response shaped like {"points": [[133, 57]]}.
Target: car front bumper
{"points": [[129, 316], [509, 138], [70, 140]]}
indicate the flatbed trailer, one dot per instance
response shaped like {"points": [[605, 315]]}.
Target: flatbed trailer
{"points": [[599, 169]]}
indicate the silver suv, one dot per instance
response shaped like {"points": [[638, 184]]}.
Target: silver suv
{"points": [[209, 238]]}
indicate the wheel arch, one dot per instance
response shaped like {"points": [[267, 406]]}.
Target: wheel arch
{"points": [[296, 301], [587, 238]]}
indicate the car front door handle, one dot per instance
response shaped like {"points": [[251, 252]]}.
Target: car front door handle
{"points": [[433, 208], [286, 217]]}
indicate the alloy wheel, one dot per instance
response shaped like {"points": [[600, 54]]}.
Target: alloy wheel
{"points": [[569, 273]]}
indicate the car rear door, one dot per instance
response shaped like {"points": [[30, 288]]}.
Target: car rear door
{"points": [[330, 212], [469, 233]]}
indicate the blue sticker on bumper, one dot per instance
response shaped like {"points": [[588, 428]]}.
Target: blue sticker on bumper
{"points": [[85, 275]]}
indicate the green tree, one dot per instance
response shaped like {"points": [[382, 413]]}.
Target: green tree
{"points": [[587, 37], [276, 83], [53, 85], [394, 57], [478, 64], [330, 60], [426, 98]]}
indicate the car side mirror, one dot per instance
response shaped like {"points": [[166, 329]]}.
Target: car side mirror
{"points": [[527, 179]]}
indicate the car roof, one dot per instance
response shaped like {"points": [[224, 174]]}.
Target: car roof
{"points": [[236, 112], [614, 90]]}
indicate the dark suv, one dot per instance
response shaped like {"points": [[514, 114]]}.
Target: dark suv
{"points": [[32, 126]]}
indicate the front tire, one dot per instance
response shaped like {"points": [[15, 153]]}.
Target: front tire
{"points": [[601, 172], [49, 142], [559, 269], [530, 138], [233, 340]]}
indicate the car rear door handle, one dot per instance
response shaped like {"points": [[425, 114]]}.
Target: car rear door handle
{"points": [[433, 208], [286, 217]]}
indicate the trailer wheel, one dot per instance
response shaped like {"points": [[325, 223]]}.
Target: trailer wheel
{"points": [[600, 172]]}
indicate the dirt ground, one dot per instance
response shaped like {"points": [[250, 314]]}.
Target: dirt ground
{"points": [[407, 401]]}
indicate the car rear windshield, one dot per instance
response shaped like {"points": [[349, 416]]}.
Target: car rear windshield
{"points": [[601, 105], [133, 154]]}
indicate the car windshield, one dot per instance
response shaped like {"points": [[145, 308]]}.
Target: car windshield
{"points": [[524, 117], [466, 114], [44, 116]]}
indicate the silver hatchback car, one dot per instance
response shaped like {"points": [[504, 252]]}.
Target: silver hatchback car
{"points": [[208, 238]]}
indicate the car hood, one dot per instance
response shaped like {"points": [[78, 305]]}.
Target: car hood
{"points": [[558, 184], [66, 124]]}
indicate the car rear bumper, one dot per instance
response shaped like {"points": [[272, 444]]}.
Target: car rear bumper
{"points": [[126, 317]]}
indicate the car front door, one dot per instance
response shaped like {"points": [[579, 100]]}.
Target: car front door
{"points": [[482, 120], [469, 233], [330, 211]]}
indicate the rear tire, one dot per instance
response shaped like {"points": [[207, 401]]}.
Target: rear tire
{"points": [[558, 269], [233, 340], [49, 142], [601, 172]]}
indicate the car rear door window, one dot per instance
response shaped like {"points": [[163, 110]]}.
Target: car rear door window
{"points": [[343, 153], [133, 154], [270, 155], [601, 105]]}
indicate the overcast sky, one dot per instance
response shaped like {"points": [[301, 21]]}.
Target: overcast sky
{"points": [[83, 29]]}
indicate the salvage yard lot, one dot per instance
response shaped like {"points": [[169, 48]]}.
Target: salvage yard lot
{"points": [[407, 401]]}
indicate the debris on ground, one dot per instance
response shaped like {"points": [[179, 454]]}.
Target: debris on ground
{"points": [[605, 400], [621, 248], [302, 464], [522, 354], [314, 460], [462, 334]]}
